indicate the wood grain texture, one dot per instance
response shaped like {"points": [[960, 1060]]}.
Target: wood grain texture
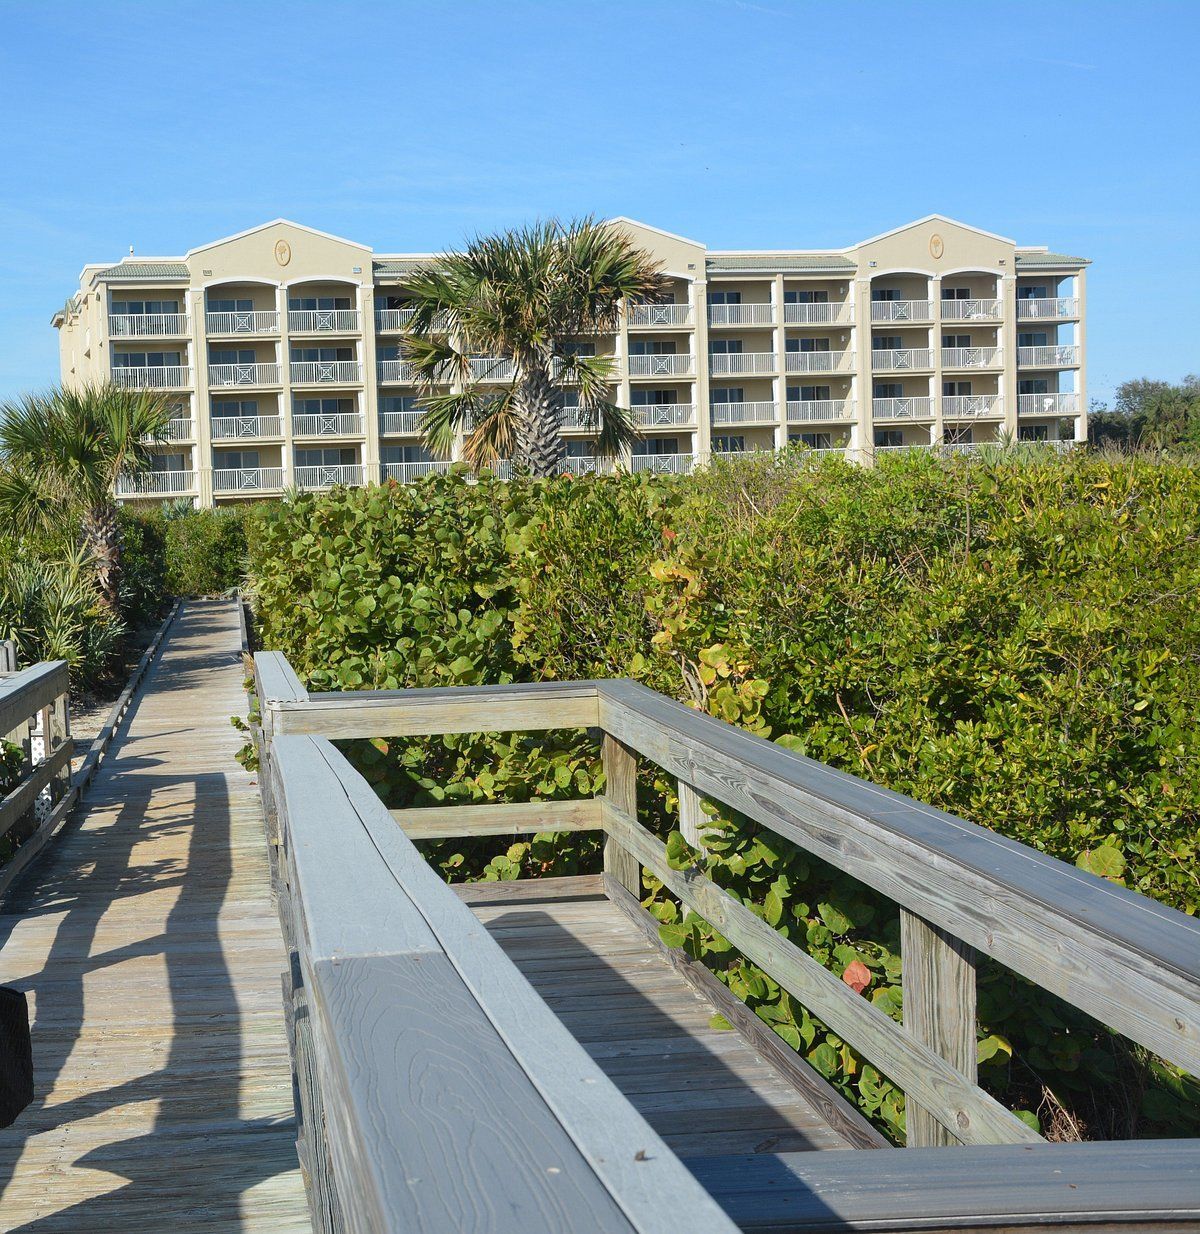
{"points": [[620, 774], [531, 890], [500, 819], [27, 691], [1066, 930], [938, 982], [950, 1097]]}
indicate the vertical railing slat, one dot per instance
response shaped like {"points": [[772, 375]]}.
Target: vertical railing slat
{"points": [[620, 772]]}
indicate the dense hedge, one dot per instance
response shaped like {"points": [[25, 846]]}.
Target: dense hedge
{"points": [[1014, 639]]}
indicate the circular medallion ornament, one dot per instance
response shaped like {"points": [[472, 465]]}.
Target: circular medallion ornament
{"points": [[283, 252], [936, 247]]}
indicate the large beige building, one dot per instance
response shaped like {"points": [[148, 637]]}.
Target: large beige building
{"points": [[281, 345]]}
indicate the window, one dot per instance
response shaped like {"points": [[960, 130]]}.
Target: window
{"points": [[953, 389], [398, 402], [580, 449], [656, 445], [956, 293], [956, 340], [1033, 385], [389, 351], [814, 441], [1033, 432], [330, 456], [888, 389], [395, 301], [167, 462], [235, 407], [234, 460], [884, 294], [806, 344], [231, 355], [1032, 339], [322, 406], [1029, 291], [729, 445], [957, 436], [145, 359], [404, 454], [646, 398], [579, 349], [217, 305], [311, 355], [121, 307], [724, 297], [889, 437], [807, 394], [806, 297], [886, 342], [724, 346], [651, 347], [310, 304], [726, 394]]}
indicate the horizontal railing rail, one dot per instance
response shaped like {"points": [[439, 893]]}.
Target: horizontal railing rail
{"points": [[327, 424], [228, 428], [800, 411], [247, 321], [323, 321], [132, 325]]}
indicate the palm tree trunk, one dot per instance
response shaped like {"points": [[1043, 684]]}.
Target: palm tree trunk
{"points": [[539, 439], [102, 538]]}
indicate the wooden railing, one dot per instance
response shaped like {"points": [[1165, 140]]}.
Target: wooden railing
{"points": [[962, 892]]}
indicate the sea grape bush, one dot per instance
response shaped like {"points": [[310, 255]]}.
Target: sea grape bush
{"points": [[1013, 638]]}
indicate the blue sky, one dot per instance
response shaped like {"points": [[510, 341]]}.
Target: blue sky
{"points": [[740, 123]]}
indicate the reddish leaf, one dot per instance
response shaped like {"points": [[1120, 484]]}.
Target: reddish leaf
{"points": [[857, 976]]}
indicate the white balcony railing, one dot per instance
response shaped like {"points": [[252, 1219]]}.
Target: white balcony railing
{"points": [[166, 377], [664, 415], [247, 479], [672, 464], [321, 372], [819, 361], [578, 465], [741, 314], [395, 371], [917, 407], [1055, 307], [829, 313], [323, 321], [389, 320], [1057, 356], [156, 484], [901, 310], [327, 477], [179, 429], [740, 363], [676, 365], [902, 358], [972, 406], [142, 325], [912, 445], [400, 423], [245, 322], [743, 413], [806, 410], [1053, 404], [243, 374], [227, 428], [971, 310], [641, 315], [331, 424], [406, 473], [491, 368], [972, 357]]}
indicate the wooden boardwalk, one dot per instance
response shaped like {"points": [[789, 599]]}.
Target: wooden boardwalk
{"points": [[150, 946]]}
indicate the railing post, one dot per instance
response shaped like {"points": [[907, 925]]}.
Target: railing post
{"points": [[620, 773], [8, 656], [58, 733], [938, 985]]}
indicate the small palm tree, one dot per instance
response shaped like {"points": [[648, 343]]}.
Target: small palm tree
{"points": [[61, 455], [523, 297]]}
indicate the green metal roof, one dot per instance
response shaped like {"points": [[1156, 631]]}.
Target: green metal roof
{"points": [[1042, 261], [400, 265], [146, 270], [779, 262]]}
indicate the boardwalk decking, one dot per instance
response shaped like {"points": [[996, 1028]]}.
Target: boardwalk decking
{"points": [[150, 947]]}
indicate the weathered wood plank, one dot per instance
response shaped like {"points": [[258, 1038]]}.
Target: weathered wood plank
{"points": [[26, 692], [21, 799], [532, 890], [620, 774], [1062, 928], [938, 983], [499, 819], [954, 1100]]}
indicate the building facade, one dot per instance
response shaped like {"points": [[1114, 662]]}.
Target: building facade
{"points": [[281, 346]]}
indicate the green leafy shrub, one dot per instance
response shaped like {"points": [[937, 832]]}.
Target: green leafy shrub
{"points": [[144, 593]]}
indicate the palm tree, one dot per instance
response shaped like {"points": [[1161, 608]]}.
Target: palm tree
{"points": [[523, 297], [61, 455]]}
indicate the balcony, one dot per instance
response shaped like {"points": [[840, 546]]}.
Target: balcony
{"points": [[639, 316], [741, 314], [491, 368], [918, 407], [762, 412], [1066, 404], [662, 464], [1056, 308], [830, 313], [972, 407], [915, 445], [326, 372], [580, 465], [395, 372], [246, 322], [179, 429], [741, 363], [1056, 356], [147, 325], [661, 365], [247, 479], [157, 377], [406, 473], [664, 415], [971, 310], [243, 374], [819, 361], [399, 423], [972, 357], [323, 321], [230, 428], [901, 310], [327, 477], [806, 411], [156, 484], [902, 358], [389, 321], [333, 424]]}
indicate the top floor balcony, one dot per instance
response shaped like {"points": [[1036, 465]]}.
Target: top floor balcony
{"points": [[147, 325], [1053, 308], [741, 314], [640, 316]]}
